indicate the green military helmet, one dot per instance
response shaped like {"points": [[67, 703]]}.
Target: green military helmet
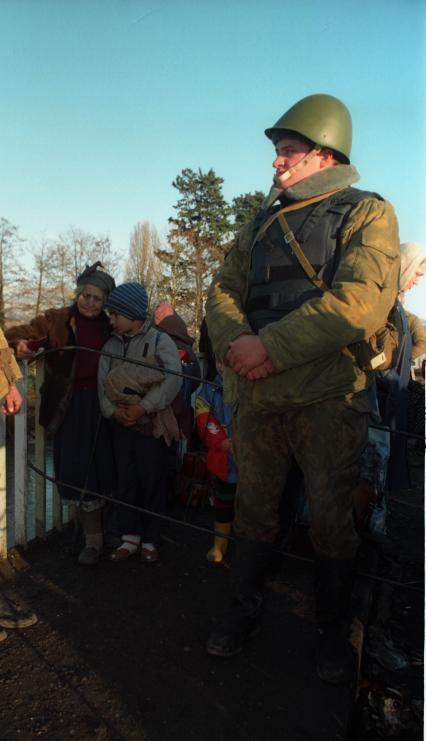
{"points": [[323, 119]]}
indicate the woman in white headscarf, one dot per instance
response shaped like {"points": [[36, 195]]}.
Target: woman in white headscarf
{"points": [[413, 267], [393, 384]]}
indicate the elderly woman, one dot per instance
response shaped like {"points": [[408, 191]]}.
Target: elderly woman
{"points": [[413, 267], [69, 408], [392, 385]]}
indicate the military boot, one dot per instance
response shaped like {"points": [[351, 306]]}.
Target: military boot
{"points": [[335, 658], [249, 564]]}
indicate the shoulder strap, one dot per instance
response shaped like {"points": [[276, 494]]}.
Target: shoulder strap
{"points": [[291, 240], [292, 207], [349, 196]]}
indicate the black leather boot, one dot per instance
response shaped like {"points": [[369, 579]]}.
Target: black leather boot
{"points": [[335, 658], [249, 564]]}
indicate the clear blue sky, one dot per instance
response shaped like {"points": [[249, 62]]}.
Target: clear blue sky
{"points": [[103, 102]]}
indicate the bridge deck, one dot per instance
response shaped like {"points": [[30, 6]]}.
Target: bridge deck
{"points": [[118, 652]]}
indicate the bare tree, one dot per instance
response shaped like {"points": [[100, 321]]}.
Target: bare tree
{"points": [[41, 278], [77, 248], [142, 264], [10, 267]]}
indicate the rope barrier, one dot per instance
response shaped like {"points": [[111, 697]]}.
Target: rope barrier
{"points": [[181, 374], [168, 518], [115, 356], [200, 528]]}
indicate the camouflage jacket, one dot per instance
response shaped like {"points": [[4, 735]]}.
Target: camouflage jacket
{"points": [[308, 347], [9, 368]]}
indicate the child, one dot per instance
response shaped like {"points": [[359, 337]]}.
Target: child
{"points": [[213, 420], [141, 457]]}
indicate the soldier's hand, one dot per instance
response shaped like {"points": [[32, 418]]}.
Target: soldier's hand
{"points": [[12, 401], [262, 371], [245, 353]]}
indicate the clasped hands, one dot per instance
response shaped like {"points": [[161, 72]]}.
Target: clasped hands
{"points": [[248, 357], [128, 415]]}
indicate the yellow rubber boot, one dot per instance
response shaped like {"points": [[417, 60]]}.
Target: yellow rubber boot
{"points": [[220, 545]]}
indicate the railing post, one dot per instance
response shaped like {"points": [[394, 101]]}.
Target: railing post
{"points": [[57, 509], [3, 502], [40, 459], [20, 465]]}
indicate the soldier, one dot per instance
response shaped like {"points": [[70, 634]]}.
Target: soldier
{"points": [[292, 366], [12, 614]]}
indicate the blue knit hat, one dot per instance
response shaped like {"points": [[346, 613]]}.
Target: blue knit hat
{"points": [[130, 300]]}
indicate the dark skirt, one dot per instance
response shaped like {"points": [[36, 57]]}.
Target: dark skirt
{"points": [[82, 449]]}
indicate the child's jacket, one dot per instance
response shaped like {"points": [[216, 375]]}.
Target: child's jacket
{"points": [[153, 347], [213, 419]]}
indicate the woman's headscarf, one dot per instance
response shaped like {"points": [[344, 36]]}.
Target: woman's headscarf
{"points": [[95, 275], [413, 260]]}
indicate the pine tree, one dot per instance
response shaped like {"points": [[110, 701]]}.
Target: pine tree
{"points": [[245, 207], [197, 240]]}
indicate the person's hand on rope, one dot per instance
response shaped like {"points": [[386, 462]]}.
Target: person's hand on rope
{"points": [[23, 350]]}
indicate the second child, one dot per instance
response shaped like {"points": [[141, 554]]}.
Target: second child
{"points": [[214, 427], [141, 456]]}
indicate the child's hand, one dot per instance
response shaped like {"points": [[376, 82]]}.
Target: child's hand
{"points": [[226, 445], [132, 411], [120, 416]]}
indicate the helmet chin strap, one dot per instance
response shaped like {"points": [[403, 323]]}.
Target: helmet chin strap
{"points": [[279, 180]]}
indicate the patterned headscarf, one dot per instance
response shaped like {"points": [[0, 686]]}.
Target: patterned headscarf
{"points": [[95, 275]]}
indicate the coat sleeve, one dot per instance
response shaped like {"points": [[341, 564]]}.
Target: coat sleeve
{"points": [[107, 407], [36, 329], [210, 431], [225, 313], [162, 394], [8, 365], [362, 293], [418, 335]]}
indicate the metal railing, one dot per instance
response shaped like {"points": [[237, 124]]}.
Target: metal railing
{"points": [[19, 522]]}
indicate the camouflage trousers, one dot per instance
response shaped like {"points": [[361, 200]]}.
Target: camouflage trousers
{"points": [[326, 440]]}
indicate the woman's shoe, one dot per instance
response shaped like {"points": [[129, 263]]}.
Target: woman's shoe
{"points": [[89, 556], [149, 553], [129, 546]]}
